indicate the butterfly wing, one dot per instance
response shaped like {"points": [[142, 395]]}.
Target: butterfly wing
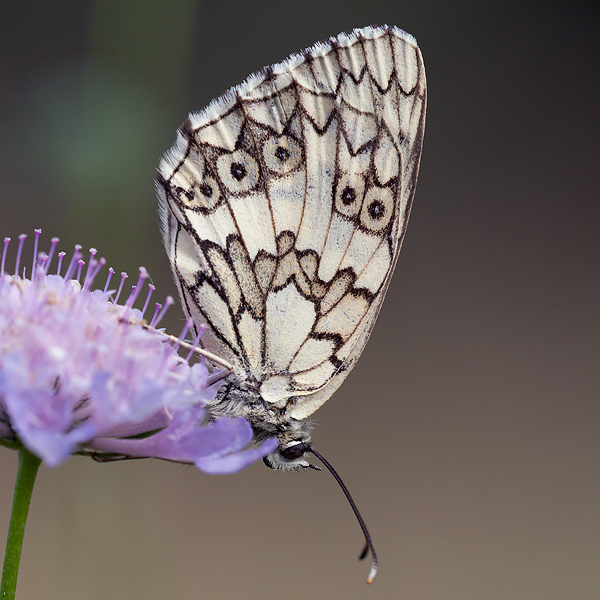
{"points": [[284, 205]]}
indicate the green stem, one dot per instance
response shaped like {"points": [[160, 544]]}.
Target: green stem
{"points": [[28, 467]]}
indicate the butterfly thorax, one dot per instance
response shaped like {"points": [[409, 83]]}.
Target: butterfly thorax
{"points": [[240, 396]]}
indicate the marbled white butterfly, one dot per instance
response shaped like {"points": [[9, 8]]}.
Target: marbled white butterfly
{"points": [[283, 206]]}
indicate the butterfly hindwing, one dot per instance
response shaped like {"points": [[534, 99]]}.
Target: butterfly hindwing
{"points": [[284, 206]]}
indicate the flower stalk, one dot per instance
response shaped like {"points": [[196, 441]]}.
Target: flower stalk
{"points": [[26, 473]]}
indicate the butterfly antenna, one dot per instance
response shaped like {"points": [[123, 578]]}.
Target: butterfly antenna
{"points": [[369, 543]]}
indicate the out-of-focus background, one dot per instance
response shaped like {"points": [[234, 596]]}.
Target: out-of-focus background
{"points": [[469, 432]]}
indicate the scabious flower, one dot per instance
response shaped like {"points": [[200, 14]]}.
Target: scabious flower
{"points": [[80, 373]]}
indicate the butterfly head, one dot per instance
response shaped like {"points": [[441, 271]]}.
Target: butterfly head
{"points": [[290, 456]]}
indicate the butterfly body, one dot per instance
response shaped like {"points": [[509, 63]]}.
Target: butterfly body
{"points": [[284, 205]]}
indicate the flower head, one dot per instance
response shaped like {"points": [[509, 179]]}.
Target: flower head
{"points": [[81, 373]]}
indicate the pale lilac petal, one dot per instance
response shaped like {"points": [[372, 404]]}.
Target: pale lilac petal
{"points": [[216, 449], [232, 463], [220, 437], [185, 440]]}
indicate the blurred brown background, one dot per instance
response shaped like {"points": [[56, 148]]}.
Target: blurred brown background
{"points": [[469, 432]]}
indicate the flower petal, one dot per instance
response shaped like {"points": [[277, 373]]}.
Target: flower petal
{"points": [[232, 463], [78, 371]]}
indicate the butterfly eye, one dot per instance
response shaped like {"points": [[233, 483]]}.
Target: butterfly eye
{"points": [[295, 451]]}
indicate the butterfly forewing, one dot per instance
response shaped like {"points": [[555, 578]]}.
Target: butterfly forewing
{"points": [[284, 205]]}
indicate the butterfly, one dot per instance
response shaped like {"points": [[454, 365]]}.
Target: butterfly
{"points": [[283, 207]]}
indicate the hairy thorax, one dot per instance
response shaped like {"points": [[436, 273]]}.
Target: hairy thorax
{"points": [[240, 397]]}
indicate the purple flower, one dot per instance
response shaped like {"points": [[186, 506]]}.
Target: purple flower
{"points": [[81, 373]]}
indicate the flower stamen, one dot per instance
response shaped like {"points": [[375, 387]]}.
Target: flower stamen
{"points": [[121, 284], [111, 272], [72, 265], [151, 289], [91, 264], [61, 256], [22, 239], [37, 233], [168, 303], [157, 308], [53, 243], [195, 344], [4, 251]]}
